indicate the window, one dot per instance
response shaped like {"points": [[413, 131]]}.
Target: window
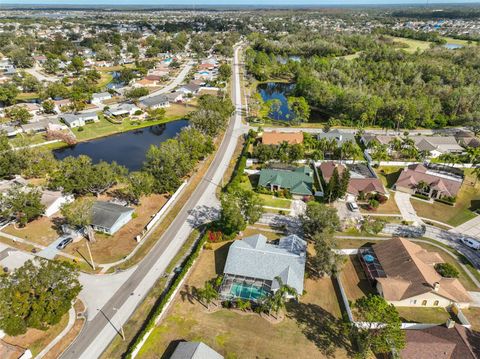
{"points": [[413, 301], [424, 302], [436, 303]]}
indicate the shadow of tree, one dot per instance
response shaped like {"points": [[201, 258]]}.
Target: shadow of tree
{"points": [[188, 293], [322, 328], [201, 215]]}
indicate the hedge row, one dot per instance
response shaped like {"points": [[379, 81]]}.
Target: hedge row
{"points": [[242, 162], [159, 307], [445, 201], [421, 196]]}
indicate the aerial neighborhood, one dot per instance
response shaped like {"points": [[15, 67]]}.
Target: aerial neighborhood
{"points": [[239, 182]]}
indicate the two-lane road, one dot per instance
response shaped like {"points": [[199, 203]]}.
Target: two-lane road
{"points": [[100, 331]]}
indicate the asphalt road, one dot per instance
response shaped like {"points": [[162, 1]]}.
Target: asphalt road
{"points": [[99, 332]]}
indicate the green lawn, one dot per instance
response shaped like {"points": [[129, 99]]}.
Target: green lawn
{"points": [[105, 78], [388, 175], [413, 45], [273, 201], [468, 199], [423, 315]]}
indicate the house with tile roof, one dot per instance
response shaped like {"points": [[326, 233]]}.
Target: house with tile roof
{"points": [[276, 138], [404, 274], [432, 183], [437, 145], [362, 180], [299, 181], [450, 341], [253, 266]]}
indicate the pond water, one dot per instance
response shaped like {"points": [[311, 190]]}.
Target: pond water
{"points": [[128, 148], [280, 91], [453, 46]]}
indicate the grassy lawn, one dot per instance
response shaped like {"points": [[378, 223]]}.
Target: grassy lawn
{"points": [[109, 249], [26, 96], [451, 40], [249, 231], [473, 316], [310, 328], [343, 243], [412, 44], [463, 277], [423, 315], [24, 139], [389, 207], [354, 279], [35, 339], [42, 231], [105, 78], [273, 201], [468, 199], [388, 174]]}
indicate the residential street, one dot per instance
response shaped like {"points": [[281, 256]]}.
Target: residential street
{"points": [[202, 206]]}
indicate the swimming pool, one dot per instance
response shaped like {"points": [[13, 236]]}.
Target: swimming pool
{"points": [[247, 291]]}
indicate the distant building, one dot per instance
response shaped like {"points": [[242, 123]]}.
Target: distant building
{"points": [[299, 181], [194, 350], [154, 102], [123, 109], [336, 135], [437, 145], [275, 138], [253, 266], [53, 201], [109, 217], [98, 98], [73, 120]]}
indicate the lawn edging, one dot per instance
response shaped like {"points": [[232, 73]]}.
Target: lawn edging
{"points": [[140, 339]]}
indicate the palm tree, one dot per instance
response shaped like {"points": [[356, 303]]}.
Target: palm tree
{"points": [[422, 186], [277, 301], [380, 153], [473, 155], [476, 173], [207, 294], [396, 144], [347, 149], [243, 305]]}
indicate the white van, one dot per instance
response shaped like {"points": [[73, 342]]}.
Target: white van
{"points": [[470, 242]]}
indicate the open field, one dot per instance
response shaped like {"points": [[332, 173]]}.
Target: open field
{"points": [[272, 201], [412, 45], [310, 328], [468, 199]]}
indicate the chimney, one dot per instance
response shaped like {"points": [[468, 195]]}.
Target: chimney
{"points": [[450, 323], [436, 286]]}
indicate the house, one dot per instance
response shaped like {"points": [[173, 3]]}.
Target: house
{"points": [[59, 104], [298, 180], [158, 101], [53, 200], [73, 120], [432, 183], [42, 125], [452, 341], [336, 135], [109, 217], [362, 179], [190, 88], [467, 139], [437, 145], [253, 266], [404, 274], [10, 130], [123, 109], [176, 96], [194, 350], [98, 98], [384, 140], [276, 138]]}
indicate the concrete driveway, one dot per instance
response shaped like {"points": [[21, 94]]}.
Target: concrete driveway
{"points": [[406, 208], [476, 299], [345, 214], [469, 228], [51, 251]]}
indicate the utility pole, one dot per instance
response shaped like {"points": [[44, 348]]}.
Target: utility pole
{"points": [[92, 263]]}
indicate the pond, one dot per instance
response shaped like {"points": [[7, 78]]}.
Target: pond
{"points": [[453, 46], [128, 148], [280, 91]]}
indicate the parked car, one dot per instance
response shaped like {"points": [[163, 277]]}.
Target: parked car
{"points": [[352, 206], [65, 242], [469, 242]]}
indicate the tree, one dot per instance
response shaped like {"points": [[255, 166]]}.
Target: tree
{"points": [[373, 226], [224, 71], [332, 192], [447, 270], [155, 114], [24, 204], [78, 213], [77, 64], [48, 106], [37, 295], [275, 108], [239, 207], [207, 294], [8, 93], [380, 153], [20, 114], [137, 92], [277, 301], [139, 184], [382, 330], [300, 109], [325, 261], [319, 218]]}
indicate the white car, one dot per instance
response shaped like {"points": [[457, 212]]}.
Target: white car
{"points": [[470, 242], [352, 206]]}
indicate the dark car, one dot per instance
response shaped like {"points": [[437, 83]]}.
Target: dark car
{"points": [[65, 242]]}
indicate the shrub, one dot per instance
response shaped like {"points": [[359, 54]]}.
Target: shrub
{"points": [[80, 129], [421, 196], [373, 203], [381, 198], [447, 270], [138, 112]]}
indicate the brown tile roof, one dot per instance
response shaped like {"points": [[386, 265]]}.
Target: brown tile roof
{"points": [[410, 272], [365, 185], [412, 175], [327, 169], [440, 342], [275, 138]]}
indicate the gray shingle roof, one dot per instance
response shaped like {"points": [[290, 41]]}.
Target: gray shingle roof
{"points": [[254, 257], [106, 214], [154, 100], [340, 137], [194, 350]]}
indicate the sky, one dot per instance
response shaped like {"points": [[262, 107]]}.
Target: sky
{"points": [[229, 2]]}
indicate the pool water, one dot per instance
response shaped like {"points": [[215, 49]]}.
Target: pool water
{"points": [[247, 292]]}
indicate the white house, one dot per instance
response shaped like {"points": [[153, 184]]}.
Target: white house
{"points": [[99, 98], [53, 200], [159, 101], [122, 109], [73, 120]]}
